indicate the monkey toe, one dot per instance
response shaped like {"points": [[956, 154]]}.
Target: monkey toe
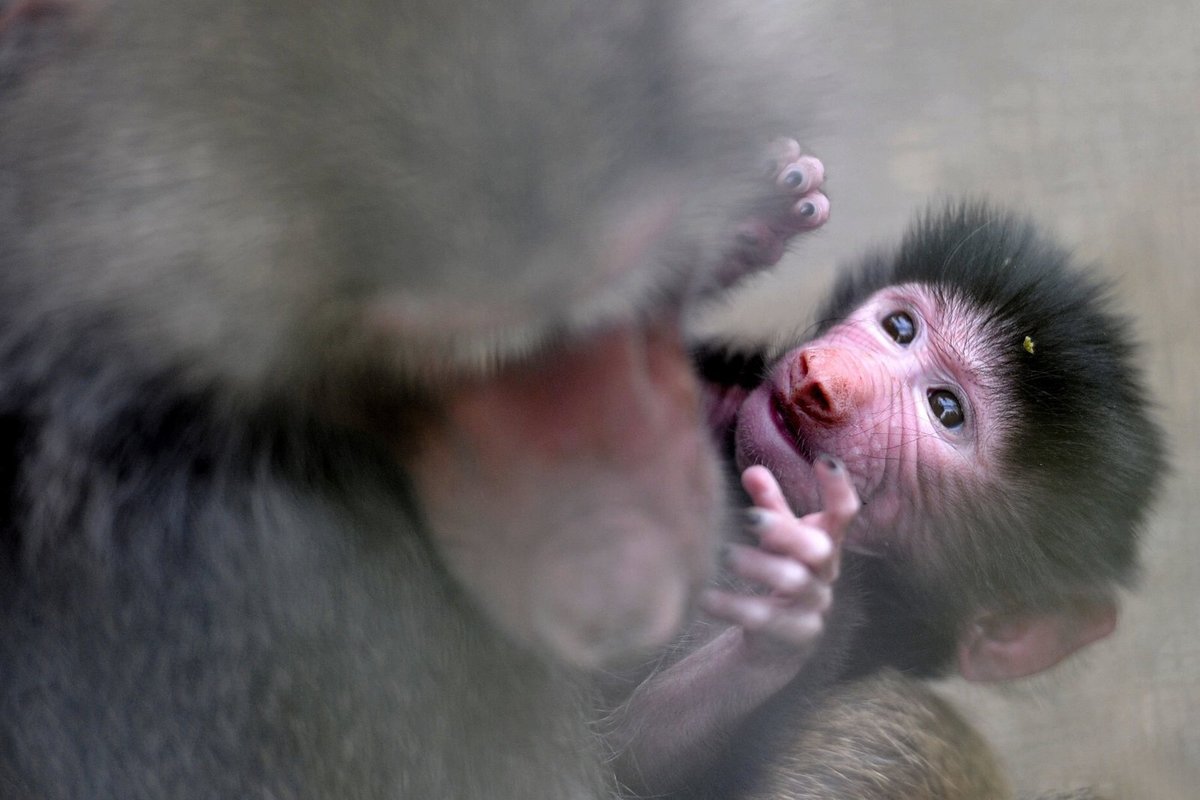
{"points": [[810, 211], [801, 176]]}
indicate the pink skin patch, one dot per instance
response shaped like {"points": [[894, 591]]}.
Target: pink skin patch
{"points": [[577, 495], [880, 405]]}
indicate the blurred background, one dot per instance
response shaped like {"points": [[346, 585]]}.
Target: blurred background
{"points": [[1085, 114]]}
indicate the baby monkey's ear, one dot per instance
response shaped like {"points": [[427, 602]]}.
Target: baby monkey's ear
{"points": [[1001, 645]]}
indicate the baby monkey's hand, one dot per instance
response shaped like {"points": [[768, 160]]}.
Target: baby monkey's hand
{"points": [[795, 563]]}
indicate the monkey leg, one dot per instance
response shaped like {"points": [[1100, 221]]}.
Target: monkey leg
{"points": [[885, 737]]}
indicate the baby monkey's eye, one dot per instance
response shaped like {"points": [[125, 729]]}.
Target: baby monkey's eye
{"points": [[900, 326], [946, 408]]}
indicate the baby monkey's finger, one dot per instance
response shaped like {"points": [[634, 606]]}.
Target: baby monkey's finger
{"points": [[748, 611], [784, 535], [781, 575], [795, 630], [839, 498], [764, 490]]}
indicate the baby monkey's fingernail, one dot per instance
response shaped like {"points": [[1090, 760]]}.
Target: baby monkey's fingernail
{"points": [[755, 519], [830, 463]]}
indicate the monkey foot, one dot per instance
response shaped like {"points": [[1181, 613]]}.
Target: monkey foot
{"points": [[795, 203]]}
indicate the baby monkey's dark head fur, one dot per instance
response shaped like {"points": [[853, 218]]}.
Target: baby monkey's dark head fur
{"points": [[1080, 457]]}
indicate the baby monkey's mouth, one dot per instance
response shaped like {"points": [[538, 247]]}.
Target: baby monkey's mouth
{"points": [[786, 417]]}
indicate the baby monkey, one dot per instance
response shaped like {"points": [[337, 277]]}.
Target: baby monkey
{"points": [[966, 443]]}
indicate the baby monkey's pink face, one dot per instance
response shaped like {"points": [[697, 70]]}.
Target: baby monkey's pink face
{"points": [[901, 391]]}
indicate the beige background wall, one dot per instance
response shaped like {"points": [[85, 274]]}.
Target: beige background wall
{"points": [[1087, 115]]}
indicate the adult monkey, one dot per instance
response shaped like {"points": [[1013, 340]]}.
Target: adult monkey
{"points": [[990, 413], [342, 397]]}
